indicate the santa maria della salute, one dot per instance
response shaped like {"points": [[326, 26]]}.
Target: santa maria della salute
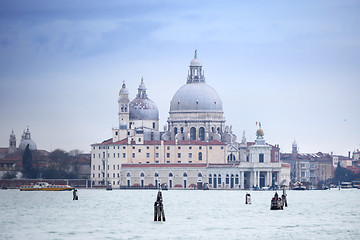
{"points": [[195, 150]]}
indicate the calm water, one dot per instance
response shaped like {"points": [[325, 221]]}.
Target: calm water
{"points": [[128, 214]]}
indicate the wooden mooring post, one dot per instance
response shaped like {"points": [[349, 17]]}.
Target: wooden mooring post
{"points": [[159, 213], [283, 198], [247, 198]]}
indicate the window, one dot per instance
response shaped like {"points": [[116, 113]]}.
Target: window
{"points": [[179, 155], [147, 155], [99, 167], [153, 124], [118, 155], [99, 155], [139, 150], [190, 161], [133, 147], [133, 155], [190, 155], [190, 147], [114, 167], [139, 139], [199, 175], [157, 147], [114, 155], [167, 155], [261, 157], [94, 155], [179, 161], [93, 175], [179, 147], [185, 174], [124, 147], [167, 161], [147, 162], [108, 155], [99, 175], [147, 147], [210, 179], [156, 161], [200, 147], [227, 179], [113, 175], [200, 156], [124, 155], [168, 147], [170, 174], [236, 179], [93, 167], [128, 174], [192, 133], [142, 175], [114, 147], [222, 147], [210, 147], [157, 155], [118, 167], [202, 134]]}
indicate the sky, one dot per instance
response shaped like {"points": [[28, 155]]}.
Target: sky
{"points": [[292, 65]]}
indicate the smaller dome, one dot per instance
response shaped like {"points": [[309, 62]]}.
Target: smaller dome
{"points": [[294, 144], [123, 125], [25, 142], [123, 90], [195, 63], [142, 109]]}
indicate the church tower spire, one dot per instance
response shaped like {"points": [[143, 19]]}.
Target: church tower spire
{"points": [[195, 74]]}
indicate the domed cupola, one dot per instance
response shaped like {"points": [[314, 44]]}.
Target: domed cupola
{"points": [[142, 108], [26, 140], [196, 95]]}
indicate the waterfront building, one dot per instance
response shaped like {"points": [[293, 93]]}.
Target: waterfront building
{"points": [[195, 148]]}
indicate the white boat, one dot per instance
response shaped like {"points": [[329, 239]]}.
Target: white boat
{"points": [[44, 186]]}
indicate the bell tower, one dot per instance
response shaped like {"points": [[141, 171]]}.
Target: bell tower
{"points": [[195, 74], [12, 142], [123, 107]]}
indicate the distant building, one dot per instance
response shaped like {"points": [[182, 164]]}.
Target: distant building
{"points": [[195, 148]]}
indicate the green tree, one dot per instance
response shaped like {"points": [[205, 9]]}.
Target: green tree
{"points": [[27, 162]]}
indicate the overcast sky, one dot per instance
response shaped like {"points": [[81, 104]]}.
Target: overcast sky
{"points": [[293, 65]]}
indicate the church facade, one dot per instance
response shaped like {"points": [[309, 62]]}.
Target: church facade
{"points": [[195, 149]]}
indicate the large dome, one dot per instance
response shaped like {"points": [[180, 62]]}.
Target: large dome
{"points": [[143, 109], [196, 97]]}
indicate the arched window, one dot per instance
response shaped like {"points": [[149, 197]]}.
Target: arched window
{"points": [[202, 134], [171, 174], [185, 174], [210, 179], [199, 175], [175, 131], [142, 175], [122, 107], [200, 155], [181, 130], [128, 174], [227, 179], [156, 174], [231, 157], [193, 133]]}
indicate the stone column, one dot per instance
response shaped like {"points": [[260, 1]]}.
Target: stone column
{"points": [[242, 180]]}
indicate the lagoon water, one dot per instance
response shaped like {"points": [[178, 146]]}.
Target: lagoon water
{"points": [[190, 214]]}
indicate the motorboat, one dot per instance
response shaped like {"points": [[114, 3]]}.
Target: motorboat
{"points": [[45, 186]]}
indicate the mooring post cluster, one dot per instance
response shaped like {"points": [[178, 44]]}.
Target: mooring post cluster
{"points": [[159, 214]]}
